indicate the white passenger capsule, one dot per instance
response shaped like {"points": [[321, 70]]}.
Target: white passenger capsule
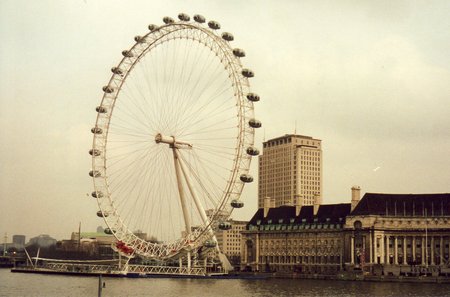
{"points": [[210, 244], [94, 152], [117, 70], [108, 89], [100, 214], [254, 123], [97, 130], [253, 97], [95, 173], [237, 203], [247, 73], [127, 54], [101, 109], [214, 25], [246, 178], [168, 20], [227, 36], [184, 17], [252, 151], [152, 27], [224, 225], [199, 18], [139, 39], [97, 194], [239, 52], [109, 231]]}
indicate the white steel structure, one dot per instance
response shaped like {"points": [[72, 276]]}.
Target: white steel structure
{"points": [[173, 137]]}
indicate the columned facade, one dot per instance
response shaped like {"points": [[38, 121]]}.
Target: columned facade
{"points": [[399, 247], [403, 234], [384, 234]]}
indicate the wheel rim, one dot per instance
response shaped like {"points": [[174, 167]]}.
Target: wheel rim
{"points": [[181, 80]]}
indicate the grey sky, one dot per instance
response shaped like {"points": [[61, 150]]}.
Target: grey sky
{"points": [[369, 78]]}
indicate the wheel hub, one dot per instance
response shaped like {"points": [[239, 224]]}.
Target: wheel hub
{"points": [[170, 140]]}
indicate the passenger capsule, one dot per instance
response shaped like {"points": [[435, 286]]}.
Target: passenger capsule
{"points": [[100, 214], [117, 70], [108, 89], [139, 39], [184, 17], [168, 20], [239, 52], [152, 27], [94, 152], [224, 225], [95, 173], [214, 25], [127, 54], [97, 130], [227, 36], [109, 231], [252, 151], [247, 73], [210, 244], [246, 178], [237, 203], [254, 123], [199, 18], [101, 109], [253, 97], [97, 194]]}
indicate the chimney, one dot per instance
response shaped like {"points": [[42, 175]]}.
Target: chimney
{"points": [[316, 203], [298, 205], [316, 207], [356, 196], [267, 205]]}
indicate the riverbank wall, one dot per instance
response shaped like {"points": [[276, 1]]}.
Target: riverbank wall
{"points": [[365, 277]]}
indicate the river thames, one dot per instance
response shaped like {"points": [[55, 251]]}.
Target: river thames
{"points": [[20, 284]]}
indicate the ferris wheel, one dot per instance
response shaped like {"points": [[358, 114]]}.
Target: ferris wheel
{"points": [[173, 138]]}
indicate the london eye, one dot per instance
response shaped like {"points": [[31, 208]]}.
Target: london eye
{"points": [[173, 139]]}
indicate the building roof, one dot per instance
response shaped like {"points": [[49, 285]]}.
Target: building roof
{"points": [[327, 213], [291, 136], [404, 205]]}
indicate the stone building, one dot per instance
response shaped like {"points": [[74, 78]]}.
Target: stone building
{"points": [[390, 234], [399, 234], [230, 241], [303, 239], [94, 244], [19, 240], [290, 170]]}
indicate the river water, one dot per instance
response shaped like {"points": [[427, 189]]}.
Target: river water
{"points": [[22, 284]]}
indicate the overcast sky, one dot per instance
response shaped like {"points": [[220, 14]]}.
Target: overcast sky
{"points": [[369, 78]]}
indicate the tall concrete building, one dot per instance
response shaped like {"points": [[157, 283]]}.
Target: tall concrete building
{"points": [[290, 171]]}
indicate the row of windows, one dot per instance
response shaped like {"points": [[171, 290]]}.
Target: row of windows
{"points": [[301, 259], [306, 242], [289, 140], [294, 227], [310, 152], [299, 235], [304, 158]]}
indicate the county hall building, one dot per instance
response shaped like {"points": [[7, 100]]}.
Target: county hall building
{"points": [[381, 234]]}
